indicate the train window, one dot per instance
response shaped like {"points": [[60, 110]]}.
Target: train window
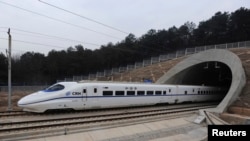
{"points": [[130, 92], [186, 92], [150, 92], [169, 90], [84, 90], [107, 93], [199, 92], [164, 92], [119, 93], [140, 92], [158, 92], [95, 90], [193, 90], [53, 88]]}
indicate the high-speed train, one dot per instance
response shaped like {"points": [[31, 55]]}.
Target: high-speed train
{"points": [[95, 95]]}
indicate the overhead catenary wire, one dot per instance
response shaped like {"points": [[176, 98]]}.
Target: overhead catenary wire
{"points": [[84, 17], [47, 45], [34, 43], [60, 38], [19, 50], [41, 35], [58, 20], [41, 44], [49, 36]]}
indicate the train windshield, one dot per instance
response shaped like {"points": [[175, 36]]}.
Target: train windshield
{"points": [[55, 87]]}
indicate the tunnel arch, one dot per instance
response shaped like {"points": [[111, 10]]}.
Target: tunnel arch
{"points": [[211, 73], [218, 66]]}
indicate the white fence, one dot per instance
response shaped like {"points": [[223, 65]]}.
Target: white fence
{"points": [[157, 59]]}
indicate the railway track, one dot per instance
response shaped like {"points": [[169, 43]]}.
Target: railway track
{"points": [[12, 113], [65, 125]]}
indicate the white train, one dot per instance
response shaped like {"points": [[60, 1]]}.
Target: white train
{"points": [[94, 95]]}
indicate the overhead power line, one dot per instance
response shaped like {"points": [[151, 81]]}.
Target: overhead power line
{"points": [[40, 35], [19, 50], [34, 43], [89, 19], [58, 38], [58, 20]]}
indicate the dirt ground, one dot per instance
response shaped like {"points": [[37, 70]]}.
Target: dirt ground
{"points": [[16, 95], [244, 99]]}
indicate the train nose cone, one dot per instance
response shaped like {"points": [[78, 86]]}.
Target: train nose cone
{"points": [[24, 101], [21, 102]]}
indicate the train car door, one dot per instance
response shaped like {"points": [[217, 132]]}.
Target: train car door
{"points": [[84, 94], [170, 92]]}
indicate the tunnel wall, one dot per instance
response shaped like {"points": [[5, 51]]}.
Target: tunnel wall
{"points": [[219, 55]]}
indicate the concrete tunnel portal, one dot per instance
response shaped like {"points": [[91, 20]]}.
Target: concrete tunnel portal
{"points": [[207, 73], [215, 67]]}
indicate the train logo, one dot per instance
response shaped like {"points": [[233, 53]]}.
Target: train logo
{"points": [[67, 94], [76, 93]]}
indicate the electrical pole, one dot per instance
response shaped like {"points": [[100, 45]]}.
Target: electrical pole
{"points": [[9, 73]]}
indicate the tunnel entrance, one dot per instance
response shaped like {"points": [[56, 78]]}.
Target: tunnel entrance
{"points": [[211, 73], [206, 73], [214, 67]]}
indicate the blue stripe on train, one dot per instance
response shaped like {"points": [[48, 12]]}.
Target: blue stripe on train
{"points": [[80, 97]]}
